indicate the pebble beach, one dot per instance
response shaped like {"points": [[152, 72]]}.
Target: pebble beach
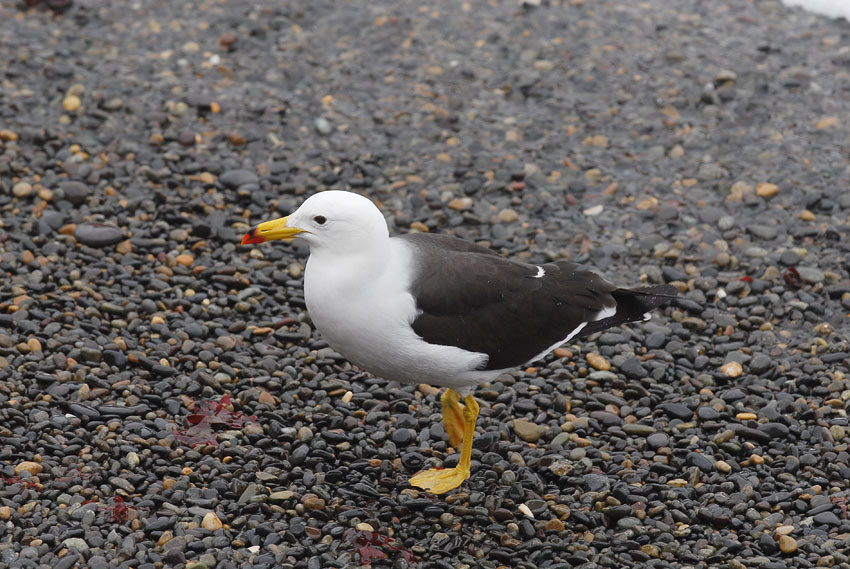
{"points": [[165, 401]]}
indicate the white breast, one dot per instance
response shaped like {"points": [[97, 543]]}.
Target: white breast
{"points": [[365, 311]]}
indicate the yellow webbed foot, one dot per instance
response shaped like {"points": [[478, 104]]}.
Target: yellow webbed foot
{"points": [[452, 416], [439, 480]]}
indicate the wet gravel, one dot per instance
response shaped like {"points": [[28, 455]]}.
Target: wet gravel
{"points": [[698, 143]]}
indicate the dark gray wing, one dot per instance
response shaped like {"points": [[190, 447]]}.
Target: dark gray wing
{"points": [[472, 298]]}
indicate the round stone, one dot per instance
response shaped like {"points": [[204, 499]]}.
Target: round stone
{"points": [[98, 234]]}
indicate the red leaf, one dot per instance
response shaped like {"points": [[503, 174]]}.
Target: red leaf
{"points": [[365, 541], [211, 413], [746, 279], [793, 278], [368, 553]]}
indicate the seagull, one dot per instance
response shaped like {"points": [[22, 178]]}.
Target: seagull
{"points": [[435, 309]]}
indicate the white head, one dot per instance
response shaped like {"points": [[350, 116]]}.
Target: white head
{"points": [[343, 222]]}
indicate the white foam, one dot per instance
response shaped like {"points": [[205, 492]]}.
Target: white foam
{"points": [[831, 8]]}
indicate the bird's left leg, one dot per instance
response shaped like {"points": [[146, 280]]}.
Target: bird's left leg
{"points": [[441, 480]]}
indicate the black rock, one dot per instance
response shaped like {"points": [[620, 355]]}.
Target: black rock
{"points": [[98, 234], [827, 518], [632, 368], [75, 192], [234, 179], [700, 461], [677, 411]]}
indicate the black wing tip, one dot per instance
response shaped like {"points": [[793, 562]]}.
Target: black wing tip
{"points": [[663, 290]]}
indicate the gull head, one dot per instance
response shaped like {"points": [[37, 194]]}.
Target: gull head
{"points": [[335, 220]]}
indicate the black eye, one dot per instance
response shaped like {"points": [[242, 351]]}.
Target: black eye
{"points": [[320, 219]]}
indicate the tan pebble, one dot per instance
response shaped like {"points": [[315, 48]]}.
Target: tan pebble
{"points": [[5, 512], [34, 345], [168, 483], [8, 135], [426, 389], [125, 247], [313, 502], [166, 536], [723, 466], [766, 189], [677, 483], [596, 361], [824, 329], [71, 103], [508, 216], [295, 270], [22, 190], [756, 459], [785, 530], [593, 210], [45, 193], [27, 508], [647, 204], [677, 151], [806, 215], [84, 391], [206, 178], [516, 186], [27, 257], [562, 353], [722, 259], [266, 398], [746, 416], [787, 544], [347, 397], [555, 525], [650, 550], [732, 369], [28, 466], [599, 140], [185, 259], [826, 122], [419, 226], [543, 65], [526, 511], [526, 430], [211, 522], [460, 204], [363, 526], [738, 190], [157, 320]]}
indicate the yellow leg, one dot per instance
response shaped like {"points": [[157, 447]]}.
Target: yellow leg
{"points": [[452, 416], [441, 480]]}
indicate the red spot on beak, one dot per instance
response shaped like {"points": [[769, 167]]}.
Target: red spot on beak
{"points": [[252, 237]]}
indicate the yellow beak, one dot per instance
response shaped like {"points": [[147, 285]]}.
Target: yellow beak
{"points": [[270, 230]]}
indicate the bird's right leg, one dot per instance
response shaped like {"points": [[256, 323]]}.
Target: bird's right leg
{"points": [[452, 416]]}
